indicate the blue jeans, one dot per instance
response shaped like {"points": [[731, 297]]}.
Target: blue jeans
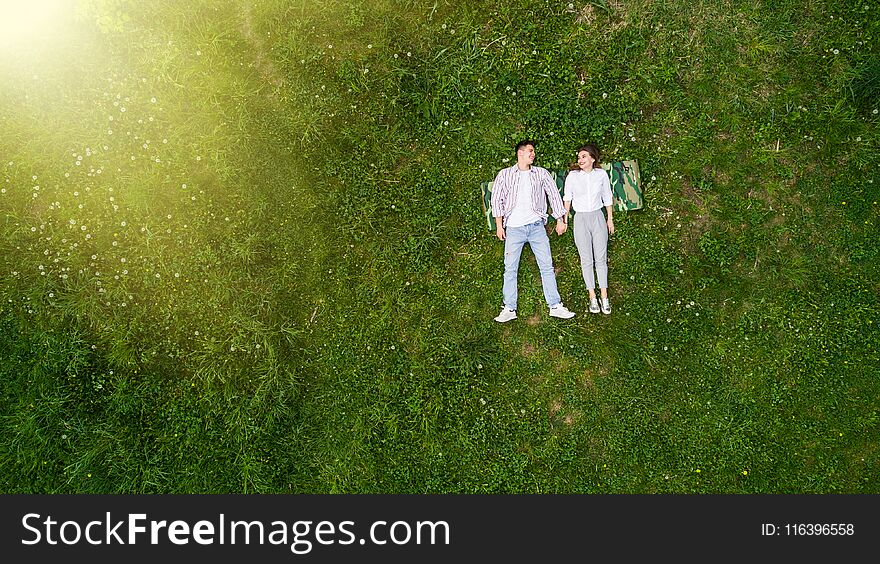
{"points": [[536, 236]]}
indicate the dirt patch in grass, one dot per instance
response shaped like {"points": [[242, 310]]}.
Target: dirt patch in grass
{"points": [[586, 15], [534, 319], [586, 380], [571, 418], [555, 407]]}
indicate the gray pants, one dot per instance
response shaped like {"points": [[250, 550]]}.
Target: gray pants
{"points": [[591, 238]]}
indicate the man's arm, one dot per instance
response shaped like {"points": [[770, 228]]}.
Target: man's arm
{"points": [[499, 195], [553, 195]]}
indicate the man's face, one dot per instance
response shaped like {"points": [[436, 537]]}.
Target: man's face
{"points": [[526, 155]]}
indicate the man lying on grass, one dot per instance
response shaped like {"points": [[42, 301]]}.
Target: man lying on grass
{"points": [[519, 204]]}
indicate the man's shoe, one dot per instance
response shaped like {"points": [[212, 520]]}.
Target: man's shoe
{"points": [[561, 312], [594, 305], [506, 315], [606, 306]]}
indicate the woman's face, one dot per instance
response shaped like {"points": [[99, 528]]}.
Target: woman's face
{"points": [[585, 160]]}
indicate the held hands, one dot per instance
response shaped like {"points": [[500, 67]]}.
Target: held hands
{"points": [[561, 227]]}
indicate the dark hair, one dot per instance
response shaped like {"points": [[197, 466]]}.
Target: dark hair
{"points": [[592, 150], [523, 143]]}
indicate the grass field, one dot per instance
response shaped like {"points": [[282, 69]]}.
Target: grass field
{"points": [[243, 249]]}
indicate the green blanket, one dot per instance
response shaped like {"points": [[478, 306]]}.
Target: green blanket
{"points": [[626, 188]]}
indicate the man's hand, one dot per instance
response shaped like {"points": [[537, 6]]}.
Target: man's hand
{"points": [[499, 231], [561, 227]]}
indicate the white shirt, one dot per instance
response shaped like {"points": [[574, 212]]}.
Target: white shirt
{"points": [[587, 191], [523, 211]]}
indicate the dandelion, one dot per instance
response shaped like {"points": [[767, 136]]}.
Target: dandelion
{"points": [[369, 46], [836, 52], [604, 95]]}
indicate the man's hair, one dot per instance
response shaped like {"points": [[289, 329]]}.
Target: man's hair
{"points": [[523, 143]]}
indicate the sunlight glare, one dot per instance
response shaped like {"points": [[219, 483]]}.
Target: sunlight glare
{"points": [[24, 22]]}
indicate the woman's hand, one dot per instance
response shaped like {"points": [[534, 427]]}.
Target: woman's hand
{"points": [[561, 227], [610, 226]]}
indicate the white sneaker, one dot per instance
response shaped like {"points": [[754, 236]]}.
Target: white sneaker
{"points": [[561, 312], [594, 305], [606, 306], [506, 315]]}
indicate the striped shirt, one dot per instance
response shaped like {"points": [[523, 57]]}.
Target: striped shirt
{"points": [[504, 192]]}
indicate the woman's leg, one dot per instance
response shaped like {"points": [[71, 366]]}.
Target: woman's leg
{"points": [[584, 244], [599, 232]]}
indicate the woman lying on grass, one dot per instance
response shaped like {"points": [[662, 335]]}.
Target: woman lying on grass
{"points": [[588, 189]]}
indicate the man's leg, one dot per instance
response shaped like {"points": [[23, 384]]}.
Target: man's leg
{"points": [[540, 244], [513, 245]]}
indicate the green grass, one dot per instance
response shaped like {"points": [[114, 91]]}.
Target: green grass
{"points": [[289, 288]]}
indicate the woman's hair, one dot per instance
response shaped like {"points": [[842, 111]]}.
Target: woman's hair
{"points": [[594, 152]]}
